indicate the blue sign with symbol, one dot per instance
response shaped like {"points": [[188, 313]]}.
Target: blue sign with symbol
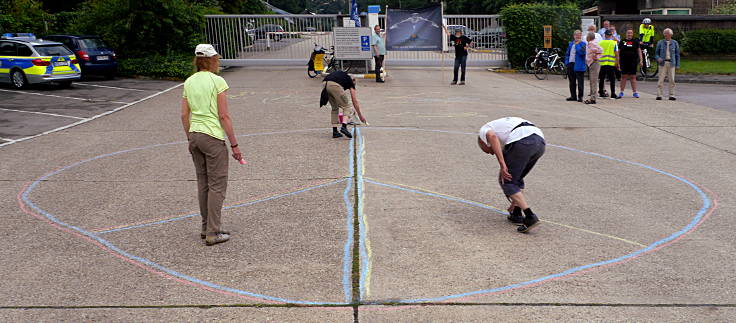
{"points": [[365, 43]]}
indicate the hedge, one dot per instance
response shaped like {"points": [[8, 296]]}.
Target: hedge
{"points": [[177, 67], [709, 41], [523, 25]]}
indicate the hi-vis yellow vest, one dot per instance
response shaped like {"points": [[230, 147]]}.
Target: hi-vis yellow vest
{"points": [[609, 52], [648, 33]]}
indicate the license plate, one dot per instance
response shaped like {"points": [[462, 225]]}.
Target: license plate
{"points": [[61, 64], [103, 58]]}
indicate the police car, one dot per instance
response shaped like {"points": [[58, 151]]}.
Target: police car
{"points": [[24, 60]]}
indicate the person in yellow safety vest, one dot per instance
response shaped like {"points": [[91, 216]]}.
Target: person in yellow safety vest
{"points": [[609, 64], [646, 32]]}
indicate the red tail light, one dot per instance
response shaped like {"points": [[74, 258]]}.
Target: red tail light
{"points": [[75, 62], [40, 62], [82, 55]]}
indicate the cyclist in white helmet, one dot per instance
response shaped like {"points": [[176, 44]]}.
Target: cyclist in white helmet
{"points": [[646, 32]]}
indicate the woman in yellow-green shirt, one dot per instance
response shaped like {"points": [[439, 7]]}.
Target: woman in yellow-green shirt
{"points": [[205, 101]]}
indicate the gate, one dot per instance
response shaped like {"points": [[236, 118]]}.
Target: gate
{"points": [[279, 40]]}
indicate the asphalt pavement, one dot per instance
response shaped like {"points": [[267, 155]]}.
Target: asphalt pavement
{"points": [[44, 108]]}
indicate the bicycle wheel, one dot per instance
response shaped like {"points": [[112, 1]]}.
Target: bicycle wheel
{"points": [[312, 73], [529, 65], [650, 68], [346, 66], [560, 68], [540, 71]]}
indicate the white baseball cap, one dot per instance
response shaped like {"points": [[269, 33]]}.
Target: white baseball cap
{"points": [[205, 50]]}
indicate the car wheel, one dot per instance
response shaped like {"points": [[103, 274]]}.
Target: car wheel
{"points": [[65, 84], [18, 79]]}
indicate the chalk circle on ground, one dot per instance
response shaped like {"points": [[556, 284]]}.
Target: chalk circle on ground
{"points": [[28, 206]]}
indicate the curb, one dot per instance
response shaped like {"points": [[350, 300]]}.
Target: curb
{"points": [[680, 78]]}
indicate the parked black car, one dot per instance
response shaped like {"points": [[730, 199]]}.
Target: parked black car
{"points": [[274, 32], [94, 56]]}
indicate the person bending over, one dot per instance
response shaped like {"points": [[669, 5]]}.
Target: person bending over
{"points": [[517, 144], [334, 92]]}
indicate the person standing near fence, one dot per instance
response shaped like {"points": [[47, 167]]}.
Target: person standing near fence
{"points": [[602, 31], [668, 57], [462, 43], [378, 42], [631, 59], [597, 36], [575, 61], [609, 64], [593, 53], [205, 100]]}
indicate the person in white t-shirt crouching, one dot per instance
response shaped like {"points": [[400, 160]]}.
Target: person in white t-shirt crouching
{"points": [[517, 144]]}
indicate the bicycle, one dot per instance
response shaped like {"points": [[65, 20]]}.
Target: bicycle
{"points": [[549, 61], [322, 61], [651, 66]]}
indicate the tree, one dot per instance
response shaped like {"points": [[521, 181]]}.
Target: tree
{"points": [[243, 6], [724, 9], [144, 27], [23, 16]]}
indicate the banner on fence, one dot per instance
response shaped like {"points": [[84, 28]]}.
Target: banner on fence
{"points": [[414, 30]]}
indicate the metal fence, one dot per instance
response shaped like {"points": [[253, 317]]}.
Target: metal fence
{"points": [[289, 40]]}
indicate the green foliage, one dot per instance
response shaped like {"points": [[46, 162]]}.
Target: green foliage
{"points": [[137, 28], [523, 24], [243, 7], [23, 16], [159, 66], [709, 41], [724, 9]]}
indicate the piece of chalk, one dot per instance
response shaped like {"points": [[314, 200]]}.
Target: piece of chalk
{"points": [[242, 161]]}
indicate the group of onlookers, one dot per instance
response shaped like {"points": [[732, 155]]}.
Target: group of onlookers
{"points": [[608, 56]]}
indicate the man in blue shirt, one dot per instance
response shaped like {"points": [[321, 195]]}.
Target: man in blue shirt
{"points": [[378, 45]]}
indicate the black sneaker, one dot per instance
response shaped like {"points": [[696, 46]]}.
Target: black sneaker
{"points": [[336, 134], [580, 100], [571, 99], [530, 221], [614, 96], [659, 98], [346, 132], [516, 219], [672, 98], [453, 82]]}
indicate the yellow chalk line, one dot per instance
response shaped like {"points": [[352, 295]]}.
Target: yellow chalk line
{"points": [[493, 207], [365, 224]]}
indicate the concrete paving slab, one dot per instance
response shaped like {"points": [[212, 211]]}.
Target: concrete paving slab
{"points": [[242, 314], [422, 245], [546, 314]]}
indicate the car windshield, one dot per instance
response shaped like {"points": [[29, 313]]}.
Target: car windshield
{"points": [[52, 50], [91, 43]]}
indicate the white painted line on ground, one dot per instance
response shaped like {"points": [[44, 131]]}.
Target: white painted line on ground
{"points": [[6, 139], [92, 118], [43, 113], [63, 97], [111, 87]]}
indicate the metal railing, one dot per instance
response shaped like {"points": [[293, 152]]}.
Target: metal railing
{"points": [[289, 40]]}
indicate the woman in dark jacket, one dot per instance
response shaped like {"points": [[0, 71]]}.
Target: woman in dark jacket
{"points": [[575, 61]]}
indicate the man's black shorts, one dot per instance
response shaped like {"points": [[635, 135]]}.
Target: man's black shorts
{"points": [[520, 157]]}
